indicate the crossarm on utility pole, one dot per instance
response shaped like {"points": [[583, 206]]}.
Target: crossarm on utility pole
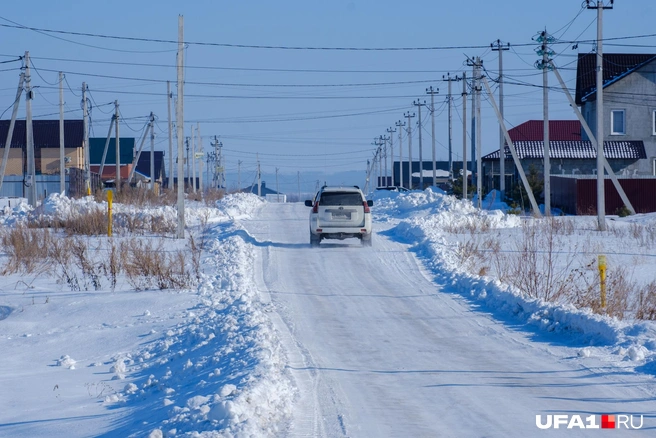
{"points": [[511, 146], [593, 139]]}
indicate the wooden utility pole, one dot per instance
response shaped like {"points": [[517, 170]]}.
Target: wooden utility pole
{"points": [[62, 151], [432, 93], [497, 46], [31, 166], [179, 119], [259, 177]]}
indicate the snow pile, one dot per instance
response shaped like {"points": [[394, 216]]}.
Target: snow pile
{"points": [[239, 205], [222, 371], [427, 214]]}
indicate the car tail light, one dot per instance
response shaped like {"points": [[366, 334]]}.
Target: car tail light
{"points": [[366, 207], [315, 209]]}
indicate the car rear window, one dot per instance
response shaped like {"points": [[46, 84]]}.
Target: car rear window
{"points": [[340, 199]]}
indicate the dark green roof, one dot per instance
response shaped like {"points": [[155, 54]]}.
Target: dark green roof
{"points": [[97, 146]]}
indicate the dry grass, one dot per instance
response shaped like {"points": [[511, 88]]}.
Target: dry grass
{"points": [[26, 249], [149, 266]]}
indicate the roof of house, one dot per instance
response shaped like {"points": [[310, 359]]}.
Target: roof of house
{"points": [[264, 190], [616, 66], [143, 165], [46, 133], [97, 147], [581, 150], [533, 130]]}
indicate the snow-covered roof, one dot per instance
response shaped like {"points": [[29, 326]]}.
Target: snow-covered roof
{"points": [[582, 150]]}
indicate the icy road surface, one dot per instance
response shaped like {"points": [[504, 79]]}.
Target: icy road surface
{"points": [[377, 349]]}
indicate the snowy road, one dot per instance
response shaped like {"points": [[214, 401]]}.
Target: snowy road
{"points": [[377, 349]]}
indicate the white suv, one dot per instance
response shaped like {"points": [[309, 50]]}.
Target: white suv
{"points": [[340, 213]]}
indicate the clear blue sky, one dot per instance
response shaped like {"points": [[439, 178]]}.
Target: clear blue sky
{"points": [[249, 102]]}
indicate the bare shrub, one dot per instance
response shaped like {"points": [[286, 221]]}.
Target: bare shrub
{"points": [[26, 248], [149, 266], [213, 195], [92, 223], [91, 270], [535, 270], [137, 196], [60, 254], [646, 305]]}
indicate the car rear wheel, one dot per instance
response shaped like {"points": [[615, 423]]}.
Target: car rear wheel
{"points": [[314, 240], [366, 240]]}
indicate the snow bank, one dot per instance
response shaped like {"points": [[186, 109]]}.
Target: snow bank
{"points": [[221, 372], [426, 215]]}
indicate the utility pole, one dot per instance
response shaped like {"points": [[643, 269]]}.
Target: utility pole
{"points": [[378, 143], [432, 93], [497, 46], [117, 180], [201, 150], [222, 179], [187, 162], [545, 65], [419, 104], [409, 117], [31, 166], [477, 166], [277, 188], [259, 176], [400, 125], [390, 131], [601, 200], [464, 135], [152, 152], [385, 139], [479, 161], [12, 123], [87, 157], [179, 124], [193, 160], [169, 98], [239, 175], [62, 151]]}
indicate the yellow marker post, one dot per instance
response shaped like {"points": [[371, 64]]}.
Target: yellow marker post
{"points": [[110, 198], [602, 279]]}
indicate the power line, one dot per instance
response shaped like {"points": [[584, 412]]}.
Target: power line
{"points": [[253, 46]]}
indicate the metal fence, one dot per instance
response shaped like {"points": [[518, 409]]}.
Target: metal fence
{"points": [[13, 186]]}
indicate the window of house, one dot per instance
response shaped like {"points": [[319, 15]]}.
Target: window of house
{"points": [[617, 122]]}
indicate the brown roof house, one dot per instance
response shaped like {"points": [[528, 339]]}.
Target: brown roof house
{"points": [[46, 146]]}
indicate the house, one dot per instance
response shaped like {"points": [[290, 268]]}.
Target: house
{"points": [[143, 165], [629, 104], [46, 146], [264, 190], [569, 153], [96, 149]]}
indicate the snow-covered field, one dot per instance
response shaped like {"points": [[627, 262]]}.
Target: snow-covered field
{"points": [[416, 336]]}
